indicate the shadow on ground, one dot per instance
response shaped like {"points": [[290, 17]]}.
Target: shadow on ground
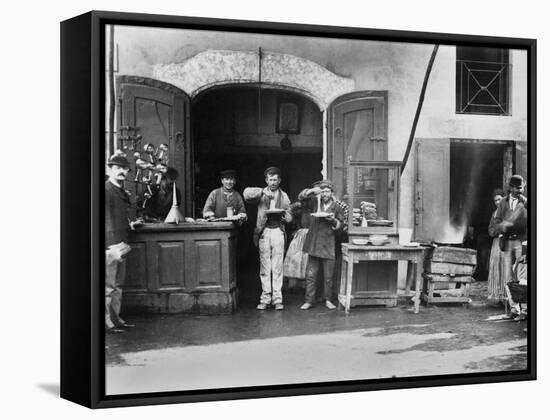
{"points": [[52, 389]]}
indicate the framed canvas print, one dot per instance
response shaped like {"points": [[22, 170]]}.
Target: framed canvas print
{"points": [[255, 209]]}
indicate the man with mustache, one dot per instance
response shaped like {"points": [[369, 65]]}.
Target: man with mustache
{"points": [[117, 204], [511, 225]]}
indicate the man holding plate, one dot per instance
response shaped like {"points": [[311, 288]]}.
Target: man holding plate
{"points": [[269, 234], [319, 243]]}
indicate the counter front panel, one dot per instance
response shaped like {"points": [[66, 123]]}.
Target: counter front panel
{"points": [[181, 268]]}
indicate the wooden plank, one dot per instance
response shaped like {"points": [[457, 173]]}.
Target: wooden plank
{"points": [[442, 278], [450, 292], [454, 255], [449, 268], [458, 299], [388, 302]]}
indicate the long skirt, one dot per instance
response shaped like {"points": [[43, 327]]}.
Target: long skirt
{"points": [[497, 279], [295, 263]]}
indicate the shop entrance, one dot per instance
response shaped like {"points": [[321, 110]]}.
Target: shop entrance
{"points": [[249, 129], [476, 170], [454, 184]]}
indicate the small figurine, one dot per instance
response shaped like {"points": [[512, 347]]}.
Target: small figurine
{"points": [[160, 171], [162, 154], [149, 150], [141, 165]]}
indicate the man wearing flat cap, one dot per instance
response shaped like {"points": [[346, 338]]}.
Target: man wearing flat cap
{"points": [[117, 205], [225, 198], [320, 241], [273, 214], [511, 224]]}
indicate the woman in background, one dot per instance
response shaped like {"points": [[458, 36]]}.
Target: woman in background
{"points": [[295, 263], [495, 280]]}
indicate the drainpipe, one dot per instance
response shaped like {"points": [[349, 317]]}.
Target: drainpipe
{"points": [[259, 87], [419, 107], [111, 90], [325, 144]]}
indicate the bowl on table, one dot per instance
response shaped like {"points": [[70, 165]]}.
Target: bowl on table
{"points": [[359, 241], [378, 240]]}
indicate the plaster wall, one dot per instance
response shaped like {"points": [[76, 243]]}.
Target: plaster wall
{"points": [[398, 68]]}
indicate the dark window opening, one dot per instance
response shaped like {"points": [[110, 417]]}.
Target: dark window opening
{"points": [[482, 81]]}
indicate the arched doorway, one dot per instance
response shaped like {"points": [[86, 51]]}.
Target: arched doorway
{"points": [[246, 129]]}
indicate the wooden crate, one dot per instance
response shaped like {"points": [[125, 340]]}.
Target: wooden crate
{"points": [[450, 260], [455, 255], [448, 273], [446, 289]]}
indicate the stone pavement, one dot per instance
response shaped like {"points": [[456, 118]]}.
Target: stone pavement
{"points": [[249, 347]]}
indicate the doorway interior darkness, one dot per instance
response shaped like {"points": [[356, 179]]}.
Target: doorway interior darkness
{"points": [[236, 127], [476, 170]]}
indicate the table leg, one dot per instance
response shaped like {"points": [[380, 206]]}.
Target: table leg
{"points": [[349, 283], [419, 284], [410, 277], [343, 283]]}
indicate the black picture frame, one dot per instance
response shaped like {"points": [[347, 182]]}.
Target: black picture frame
{"points": [[288, 116], [82, 202]]}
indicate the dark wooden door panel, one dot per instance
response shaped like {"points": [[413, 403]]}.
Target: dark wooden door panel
{"points": [[171, 265], [208, 257], [375, 276], [432, 216], [136, 265], [357, 131], [160, 113]]}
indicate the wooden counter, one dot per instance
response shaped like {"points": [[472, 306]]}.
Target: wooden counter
{"points": [[190, 267], [369, 274]]}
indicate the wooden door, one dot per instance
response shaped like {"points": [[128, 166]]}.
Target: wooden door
{"points": [[432, 188], [520, 166], [357, 130], [160, 113]]}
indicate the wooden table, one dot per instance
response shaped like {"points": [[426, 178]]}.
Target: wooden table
{"points": [[355, 254]]}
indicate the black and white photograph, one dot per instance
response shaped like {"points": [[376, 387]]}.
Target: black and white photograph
{"points": [[287, 208], [240, 209]]}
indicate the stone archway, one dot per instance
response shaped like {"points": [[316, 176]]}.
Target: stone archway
{"points": [[217, 68]]}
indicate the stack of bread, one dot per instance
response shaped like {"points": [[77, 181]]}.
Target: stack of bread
{"points": [[369, 210]]}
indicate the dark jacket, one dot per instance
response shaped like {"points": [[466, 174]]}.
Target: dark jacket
{"points": [[117, 205], [321, 236], [513, 224]]}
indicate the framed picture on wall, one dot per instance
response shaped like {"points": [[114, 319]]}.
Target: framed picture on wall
{"points": [[215, 182], [288, 117]]}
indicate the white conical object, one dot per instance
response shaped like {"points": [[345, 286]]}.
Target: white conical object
{"points": [[174, 215]]}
